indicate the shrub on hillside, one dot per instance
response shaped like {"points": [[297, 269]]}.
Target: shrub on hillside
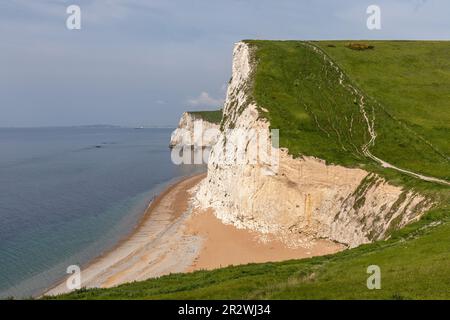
{"points": [[359, 46]]}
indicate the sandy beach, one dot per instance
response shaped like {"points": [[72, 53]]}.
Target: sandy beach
{"points": [[174, 237], [226, 245]]}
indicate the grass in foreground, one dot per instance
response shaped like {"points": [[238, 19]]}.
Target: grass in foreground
{"points": [[414, 264]]}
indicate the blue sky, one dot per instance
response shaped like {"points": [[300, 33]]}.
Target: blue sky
{"points": [[144, 62]]}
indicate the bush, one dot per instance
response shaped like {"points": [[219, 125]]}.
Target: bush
{"points": [[359, 46]]}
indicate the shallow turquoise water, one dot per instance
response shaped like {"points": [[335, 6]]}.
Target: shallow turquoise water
{"points": [[68, 194]]}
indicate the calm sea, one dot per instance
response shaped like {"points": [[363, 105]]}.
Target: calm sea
{"points": [[69, 194]]}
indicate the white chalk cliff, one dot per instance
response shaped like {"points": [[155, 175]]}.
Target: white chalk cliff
{"points": [[194, 131], [305, 198]]}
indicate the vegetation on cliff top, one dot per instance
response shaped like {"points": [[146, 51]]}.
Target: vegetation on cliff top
{"points": [[324, 109], [210, 116]]}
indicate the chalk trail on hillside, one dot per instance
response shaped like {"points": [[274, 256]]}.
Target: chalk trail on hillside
{"points": [[371, 124]]}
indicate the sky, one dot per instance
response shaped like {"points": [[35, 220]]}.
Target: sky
{"points": [[144, 62]]}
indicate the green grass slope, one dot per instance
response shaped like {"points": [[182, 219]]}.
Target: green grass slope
{"points": [[323, 96], [318, 111], [410, 78]]}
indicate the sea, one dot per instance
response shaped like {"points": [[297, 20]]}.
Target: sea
{"points": [[68, 195]]}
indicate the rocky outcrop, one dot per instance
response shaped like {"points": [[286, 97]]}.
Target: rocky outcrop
{"points": [[301, 199], [194, 131]]}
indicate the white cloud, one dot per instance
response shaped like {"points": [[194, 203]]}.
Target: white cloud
{"points": [[205, 100]]}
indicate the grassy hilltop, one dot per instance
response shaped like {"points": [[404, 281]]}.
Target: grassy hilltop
{"points": [[214, 116], [405, 89], [326, 98]]}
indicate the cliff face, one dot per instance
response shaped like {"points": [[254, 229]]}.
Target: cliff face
{"points": [[194, 131], [304, 198]]}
